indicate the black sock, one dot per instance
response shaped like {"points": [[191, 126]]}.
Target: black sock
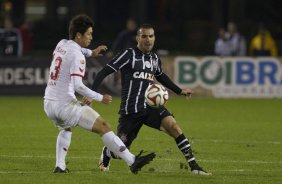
{"points": [[184, 146]]}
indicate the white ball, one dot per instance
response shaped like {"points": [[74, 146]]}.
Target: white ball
{"points": [[156, 95]]}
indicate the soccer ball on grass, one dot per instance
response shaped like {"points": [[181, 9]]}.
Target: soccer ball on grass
{"points": [[156, 95]]}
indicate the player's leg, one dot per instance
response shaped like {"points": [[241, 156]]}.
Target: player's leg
{"points": [[91, 120], [169, 125], [162, 119], [57, 112], [127, 131], [62, 147]]}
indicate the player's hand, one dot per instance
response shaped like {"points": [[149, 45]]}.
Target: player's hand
{"points": [[86, 101], [99, 50], [107, 99], [187, 92], [109, 54]]}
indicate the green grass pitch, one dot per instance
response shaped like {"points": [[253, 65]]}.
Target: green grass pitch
{"points": [[238, 140]]}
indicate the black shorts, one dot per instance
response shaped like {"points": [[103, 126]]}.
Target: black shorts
{"points": [[129, 125]]}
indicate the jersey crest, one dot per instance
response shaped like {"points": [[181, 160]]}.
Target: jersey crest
{"points": [[82, 66], [155, 63]]}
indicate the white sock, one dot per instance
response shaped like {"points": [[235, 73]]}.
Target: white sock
{"points": [[62, 147], [113, 143]]}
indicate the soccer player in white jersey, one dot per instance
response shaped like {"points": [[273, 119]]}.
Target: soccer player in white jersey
{"points": [[62, 107]]}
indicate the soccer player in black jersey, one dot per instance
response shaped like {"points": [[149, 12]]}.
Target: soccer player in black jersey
{"points": [[138, 67]]}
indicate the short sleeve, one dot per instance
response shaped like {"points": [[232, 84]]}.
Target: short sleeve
{"points": [[86, 52], [78, 64]]}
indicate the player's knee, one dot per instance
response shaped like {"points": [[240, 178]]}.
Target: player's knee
{"points": [[169, 123], [101, 126], [170, 126], [106, 127]]}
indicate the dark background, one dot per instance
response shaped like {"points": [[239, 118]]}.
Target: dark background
{"points": [[182, 26]]}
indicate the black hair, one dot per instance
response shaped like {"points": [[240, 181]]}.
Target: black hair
{"points": [[145, 26], [79, 24]]}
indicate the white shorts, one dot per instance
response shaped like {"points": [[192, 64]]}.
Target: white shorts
{"points": [[70, 114]]}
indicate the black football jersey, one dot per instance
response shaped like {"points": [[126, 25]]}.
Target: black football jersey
{"points": [[137, 72]]}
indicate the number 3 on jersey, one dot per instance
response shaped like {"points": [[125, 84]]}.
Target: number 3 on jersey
{"points": [[55, 69]]}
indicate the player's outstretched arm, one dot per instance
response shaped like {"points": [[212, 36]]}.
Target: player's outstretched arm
{"points": [[99, 51], [95, 52], [100, 77], [165, 80], [107, 99], [83, 90]]}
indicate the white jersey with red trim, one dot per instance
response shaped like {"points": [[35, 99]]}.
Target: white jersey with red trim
{"points": [[67, 61]]}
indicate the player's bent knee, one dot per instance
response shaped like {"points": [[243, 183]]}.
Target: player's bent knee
{"points": [[170, 126], [169, 123], [101, 126]]}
